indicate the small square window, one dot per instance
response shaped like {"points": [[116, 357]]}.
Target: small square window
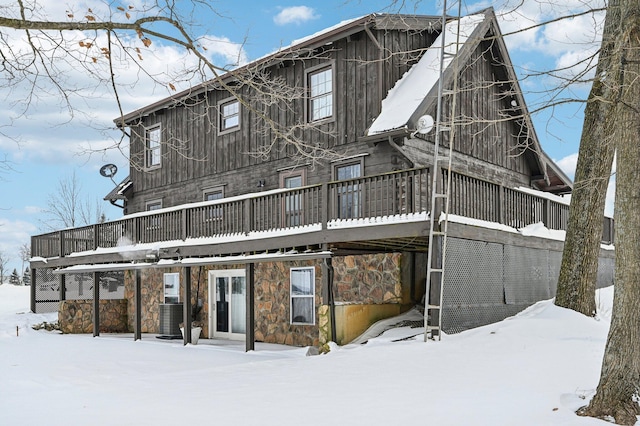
{"points": [[302, 296], [229, 115], [153, 147]]}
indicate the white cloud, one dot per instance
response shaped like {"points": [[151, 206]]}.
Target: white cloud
{"points": [[568, 164], [295, 15]]}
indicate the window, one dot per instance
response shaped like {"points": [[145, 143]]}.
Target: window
{"points": [[293, 204], [320, 84], [229, 115], [171, 287], [153, 147], [154, 205], [153, 221], [349, 202], [213, 212], [302, 295]]}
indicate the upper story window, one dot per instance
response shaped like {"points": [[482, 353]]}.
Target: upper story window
{"points": [[153, 147], [320, 89], [213, 212], [293, 203], [229, 115], [349, 202], [153, 205]]}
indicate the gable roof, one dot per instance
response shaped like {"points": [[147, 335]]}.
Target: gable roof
{"points": [[297, 48], [417, 92]]}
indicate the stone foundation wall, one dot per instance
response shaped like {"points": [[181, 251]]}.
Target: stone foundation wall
{"points": [[76, 316], [368, 279], [272, 305]]}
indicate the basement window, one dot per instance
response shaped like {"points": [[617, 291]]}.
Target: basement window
{"points": [[302, 296]]}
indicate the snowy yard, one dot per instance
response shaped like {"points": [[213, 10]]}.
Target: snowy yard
{"points": [[533, 369]]}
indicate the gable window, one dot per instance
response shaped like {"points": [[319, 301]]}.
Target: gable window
{"points": [[229, 115], [153, 147], [302, 295], [320, 91], [171, 287], [348, 192], [293, 203]]}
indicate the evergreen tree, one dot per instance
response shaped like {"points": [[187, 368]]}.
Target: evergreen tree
{"points": [[26, 276], [14, 278]]}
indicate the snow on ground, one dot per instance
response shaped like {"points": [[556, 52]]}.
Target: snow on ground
{"points": [[533, 369]]}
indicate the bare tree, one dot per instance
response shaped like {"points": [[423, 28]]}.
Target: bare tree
{"points": [[25, 254], [4, 261], [578, 272], [70, 206]]}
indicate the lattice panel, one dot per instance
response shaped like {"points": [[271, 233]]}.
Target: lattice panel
{"points": [[47, 290], [606, 270], [526, 275], [474, 273], [79, 286], [555, 261]]}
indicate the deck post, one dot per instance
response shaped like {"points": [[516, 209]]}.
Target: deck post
{"points": [[248, 216], [184, 224], [324, 213], [250, 322], [186, 306], [61, 241], [96, 304], [501, 205], [33, 286], [96, 239], [63, 287], [137, 297]]}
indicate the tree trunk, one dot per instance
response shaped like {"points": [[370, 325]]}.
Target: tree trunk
{"points": [[618, 391], [579, 268]]}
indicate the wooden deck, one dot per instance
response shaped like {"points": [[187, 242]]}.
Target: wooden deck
{"points": [[385, 211]]}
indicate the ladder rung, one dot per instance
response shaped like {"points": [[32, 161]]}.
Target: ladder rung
{"points": [[438, 232], [433, 327], [437, 270], [433, 306], [448, 92], [438, 195], [445, 128], [443, 158]]}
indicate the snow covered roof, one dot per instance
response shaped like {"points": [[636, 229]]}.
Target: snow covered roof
{"points": [[409, 92]]}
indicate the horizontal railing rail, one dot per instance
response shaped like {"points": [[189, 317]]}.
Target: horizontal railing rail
{"points": [[369, 198]]}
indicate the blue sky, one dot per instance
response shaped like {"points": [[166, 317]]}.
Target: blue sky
{"points": [[45, 144]]}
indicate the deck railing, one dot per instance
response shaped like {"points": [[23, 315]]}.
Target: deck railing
{"points": [[387, 195]]}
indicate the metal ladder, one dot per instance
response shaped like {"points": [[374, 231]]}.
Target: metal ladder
{"points": [[440, 193]]}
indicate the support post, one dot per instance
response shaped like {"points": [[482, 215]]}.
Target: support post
{"points": [[186, 306], [63, 287], [33, 287], [250, 326], [96, 304], [324, 213], [137, 297]]}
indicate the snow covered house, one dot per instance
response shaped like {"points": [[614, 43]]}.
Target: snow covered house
{"points": [[257, 239]]}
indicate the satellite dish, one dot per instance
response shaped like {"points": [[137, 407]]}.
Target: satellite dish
{"points": [[108, 170], [425, 124]]}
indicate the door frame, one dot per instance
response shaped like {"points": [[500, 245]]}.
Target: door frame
{"points": [[212, 320]]}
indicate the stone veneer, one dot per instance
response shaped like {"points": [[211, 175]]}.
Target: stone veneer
{"points": [[76, 316], [368, 278], [272, 305], [372, 279]]}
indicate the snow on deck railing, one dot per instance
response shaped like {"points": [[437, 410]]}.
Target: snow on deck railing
{"points": [[372, 200]]}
